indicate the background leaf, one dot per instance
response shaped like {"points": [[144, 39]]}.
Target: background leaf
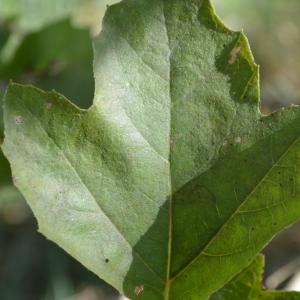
{"points": [[248, 286], [69, 58], [27, 16]]}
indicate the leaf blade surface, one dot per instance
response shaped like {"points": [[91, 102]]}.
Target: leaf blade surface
{"points": [[173, 172]]}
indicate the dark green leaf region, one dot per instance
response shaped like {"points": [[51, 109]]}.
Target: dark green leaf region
{"points": [[173, 181]]}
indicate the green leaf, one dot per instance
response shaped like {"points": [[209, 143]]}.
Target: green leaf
{"points": [[28, 16], [5, 176], [172, 182], [248, 286], [69, 58], [32, 15], [4, 34]]}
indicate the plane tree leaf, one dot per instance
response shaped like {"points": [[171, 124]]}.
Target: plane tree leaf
{"points": [[248, 286], [173, 181]]}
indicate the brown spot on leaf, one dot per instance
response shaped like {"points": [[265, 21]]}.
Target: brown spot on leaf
{"points": [[139, 289], [48, 105], [234, 54], [18, 120]]}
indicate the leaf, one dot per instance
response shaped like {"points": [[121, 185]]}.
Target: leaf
{"points": [[69, 58], [248, 286], [4, 34], [172, 174], [5, 175], [29, 16]]}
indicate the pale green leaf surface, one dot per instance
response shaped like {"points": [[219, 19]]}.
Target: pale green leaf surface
{"points": [[172, 182], [248, 286]]}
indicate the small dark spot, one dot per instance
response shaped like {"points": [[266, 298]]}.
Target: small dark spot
{"points": [[274, 224], [107, 260], [253, 228]]}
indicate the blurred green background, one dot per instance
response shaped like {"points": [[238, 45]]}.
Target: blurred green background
{"points": [[49, 44]]}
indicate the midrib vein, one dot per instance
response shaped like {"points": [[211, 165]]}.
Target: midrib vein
{"points": [[170, 200], [202, 252]]}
